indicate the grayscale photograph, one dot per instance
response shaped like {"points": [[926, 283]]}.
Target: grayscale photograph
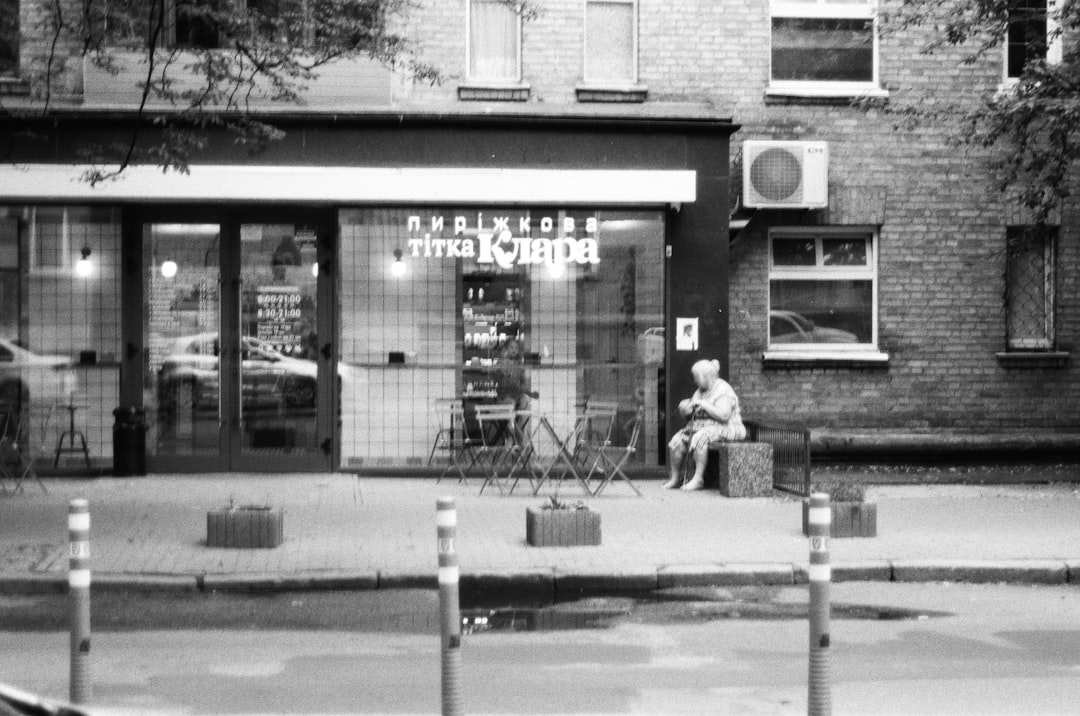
{"points": [[539, 357]]}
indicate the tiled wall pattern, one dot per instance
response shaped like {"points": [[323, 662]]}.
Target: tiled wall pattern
{"points": [[67, 314]]}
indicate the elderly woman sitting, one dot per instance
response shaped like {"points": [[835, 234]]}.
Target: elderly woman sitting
{"points": [[713, 411]]}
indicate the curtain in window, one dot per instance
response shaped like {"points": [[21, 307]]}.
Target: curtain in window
{"points": [[493, 50], [609, 42]]}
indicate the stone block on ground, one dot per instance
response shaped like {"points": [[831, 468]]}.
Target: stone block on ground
{"points": [[740, 469]]}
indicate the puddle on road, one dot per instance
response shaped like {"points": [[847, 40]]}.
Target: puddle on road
{"points": [[666, 607]]}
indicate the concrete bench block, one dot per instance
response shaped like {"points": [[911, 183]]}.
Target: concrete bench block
{"points": [[743, 469]]}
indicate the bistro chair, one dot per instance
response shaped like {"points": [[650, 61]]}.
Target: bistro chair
{"points": [[610, 459], [595, 425], [499, 447], [453, 439], [16, 455]]}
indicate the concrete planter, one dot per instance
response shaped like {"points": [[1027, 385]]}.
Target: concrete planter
{"points": [[561, 528], [245, 527], [849, 519]]}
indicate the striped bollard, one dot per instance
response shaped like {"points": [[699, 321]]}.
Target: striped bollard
{"points": [[79, 601], [819, 521], [449, 606]]}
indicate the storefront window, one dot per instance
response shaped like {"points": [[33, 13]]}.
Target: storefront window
{"points": [[60, 324], [440, 303]]}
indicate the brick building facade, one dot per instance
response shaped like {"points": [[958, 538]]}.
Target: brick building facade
{"points": [[899, 291]]}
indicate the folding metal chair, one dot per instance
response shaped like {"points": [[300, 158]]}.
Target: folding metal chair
{"points": [[499, 446], [596, 423], [610, 459], [453, 439], [16, 454]]}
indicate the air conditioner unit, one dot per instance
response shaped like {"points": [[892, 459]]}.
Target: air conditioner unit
{"points": [[785, 175]]}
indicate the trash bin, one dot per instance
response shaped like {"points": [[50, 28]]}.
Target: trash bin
{"points": [[129, 442]]}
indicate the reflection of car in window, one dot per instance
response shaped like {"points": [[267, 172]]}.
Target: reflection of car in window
{"points": [[26, 376], [268, 378], [792, 327]]}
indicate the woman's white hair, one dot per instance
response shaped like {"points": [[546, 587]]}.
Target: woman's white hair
{"points": [[710, 368]]}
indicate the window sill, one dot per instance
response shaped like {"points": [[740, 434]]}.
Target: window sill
{"points": [[14, 87], [1033, 359], [611, 93], [821, 94], [815, 359], [494, 92]]}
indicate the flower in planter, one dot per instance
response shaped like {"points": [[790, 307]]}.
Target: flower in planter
{"points": [[852, 515], [554, 503]]}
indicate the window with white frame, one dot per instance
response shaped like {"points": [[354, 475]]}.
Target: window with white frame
{"points": [[494, 43], [823, 46], [1032, 35], [1029, 293], [822, 289], [610, 41]]}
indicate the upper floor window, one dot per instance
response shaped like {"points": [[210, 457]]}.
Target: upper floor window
{"points": [[494, 32], [823, 46], [9, 38], [1032, 35], [611, 41], [822, 290], [1029, 287]]}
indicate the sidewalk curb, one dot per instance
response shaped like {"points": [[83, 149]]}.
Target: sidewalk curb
{"points": [[548, 583]]}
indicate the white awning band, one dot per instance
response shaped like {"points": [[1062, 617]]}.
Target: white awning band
{"points": [[351, 185]]}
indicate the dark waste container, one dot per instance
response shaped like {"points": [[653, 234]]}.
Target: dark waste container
{"points": [[129, 442]]}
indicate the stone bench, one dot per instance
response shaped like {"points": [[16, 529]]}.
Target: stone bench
{"points": [[740, 469]]}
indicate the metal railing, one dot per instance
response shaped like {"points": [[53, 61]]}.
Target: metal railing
{"points": [[791, 455]]}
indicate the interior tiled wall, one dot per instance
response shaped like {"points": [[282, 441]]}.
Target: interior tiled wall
{"points": [[67, 315]]}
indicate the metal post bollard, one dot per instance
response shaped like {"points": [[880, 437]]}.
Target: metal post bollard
{"points": [[449, 606], [79, 602], [819, 520]]}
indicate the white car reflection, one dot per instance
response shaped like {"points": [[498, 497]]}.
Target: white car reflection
{"points": [[26, 376], [792, 327], [268, 378]]}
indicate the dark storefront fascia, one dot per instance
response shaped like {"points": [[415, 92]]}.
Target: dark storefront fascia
{"points": [[489, 148]]}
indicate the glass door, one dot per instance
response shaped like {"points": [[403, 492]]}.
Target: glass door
{"points": [[236, 372], [181, 330], [278, 379]]}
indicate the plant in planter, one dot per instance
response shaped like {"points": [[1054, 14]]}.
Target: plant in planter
{"points": [[852, 515], [246, 526], [560, 524]]}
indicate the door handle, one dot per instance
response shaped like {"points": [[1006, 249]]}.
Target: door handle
{"points": [[131, 351], [326, 445], [328, 351]]}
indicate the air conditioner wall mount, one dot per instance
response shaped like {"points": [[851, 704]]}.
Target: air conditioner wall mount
{"points": [[785, 174]]}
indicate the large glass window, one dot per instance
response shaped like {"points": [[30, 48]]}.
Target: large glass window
{"points": [[822, 291], [823, 45], [1030, 287], [494, 41], [60, 326], [610, 41], [539, 307]]}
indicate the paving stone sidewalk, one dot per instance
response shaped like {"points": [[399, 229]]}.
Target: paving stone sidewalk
{"points": [[344, 531]]}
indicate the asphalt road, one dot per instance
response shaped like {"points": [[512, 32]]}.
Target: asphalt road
{"points": [[979, 649]]}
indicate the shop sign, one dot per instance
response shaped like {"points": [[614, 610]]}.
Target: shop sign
{"points": [[492, 241]]}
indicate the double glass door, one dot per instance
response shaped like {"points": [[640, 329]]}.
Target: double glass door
{"points": [[237, 370]]}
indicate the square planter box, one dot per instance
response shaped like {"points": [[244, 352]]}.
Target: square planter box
{"points": [[849, 519], [561, 528], [246, 527]]}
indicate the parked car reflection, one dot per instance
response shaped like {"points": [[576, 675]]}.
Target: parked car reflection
{"points": [[792, 327], [26, 376], [268, 378]]}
